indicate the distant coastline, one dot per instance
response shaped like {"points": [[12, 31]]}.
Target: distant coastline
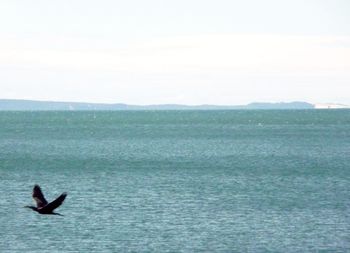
{"points": [[33, 105]]}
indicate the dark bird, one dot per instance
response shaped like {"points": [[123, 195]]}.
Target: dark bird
{"points": [[42, 206]]}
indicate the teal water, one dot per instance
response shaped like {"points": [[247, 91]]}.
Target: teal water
{"points": [[177, 181]]}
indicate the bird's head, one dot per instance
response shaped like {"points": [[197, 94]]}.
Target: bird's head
{"points": [[31, 207]]}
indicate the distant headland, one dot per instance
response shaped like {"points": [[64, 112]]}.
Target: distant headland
{"points": [[32, 105]]}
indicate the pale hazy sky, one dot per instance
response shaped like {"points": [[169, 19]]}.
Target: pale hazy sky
{"points": [[184, 51]]}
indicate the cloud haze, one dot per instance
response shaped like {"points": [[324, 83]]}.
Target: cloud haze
{"points": [[206, 66]]}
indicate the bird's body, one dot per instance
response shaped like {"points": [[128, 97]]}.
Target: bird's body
{"points": [[42, 206]]}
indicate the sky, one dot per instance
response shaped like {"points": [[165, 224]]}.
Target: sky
{"points": [[223, 52]]}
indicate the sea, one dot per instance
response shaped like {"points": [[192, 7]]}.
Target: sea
{"points": [[177, 181]]}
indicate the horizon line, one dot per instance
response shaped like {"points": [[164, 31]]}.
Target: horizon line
{"points": [[156, 104], [72, 105]]}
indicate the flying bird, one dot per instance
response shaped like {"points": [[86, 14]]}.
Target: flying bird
{"points": [[42, 206]]}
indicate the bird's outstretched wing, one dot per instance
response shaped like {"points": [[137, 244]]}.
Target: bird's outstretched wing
{"points": [[38, 196], [54, 204]]}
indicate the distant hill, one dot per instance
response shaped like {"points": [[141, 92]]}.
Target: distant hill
{"points": [[30, 105]]}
